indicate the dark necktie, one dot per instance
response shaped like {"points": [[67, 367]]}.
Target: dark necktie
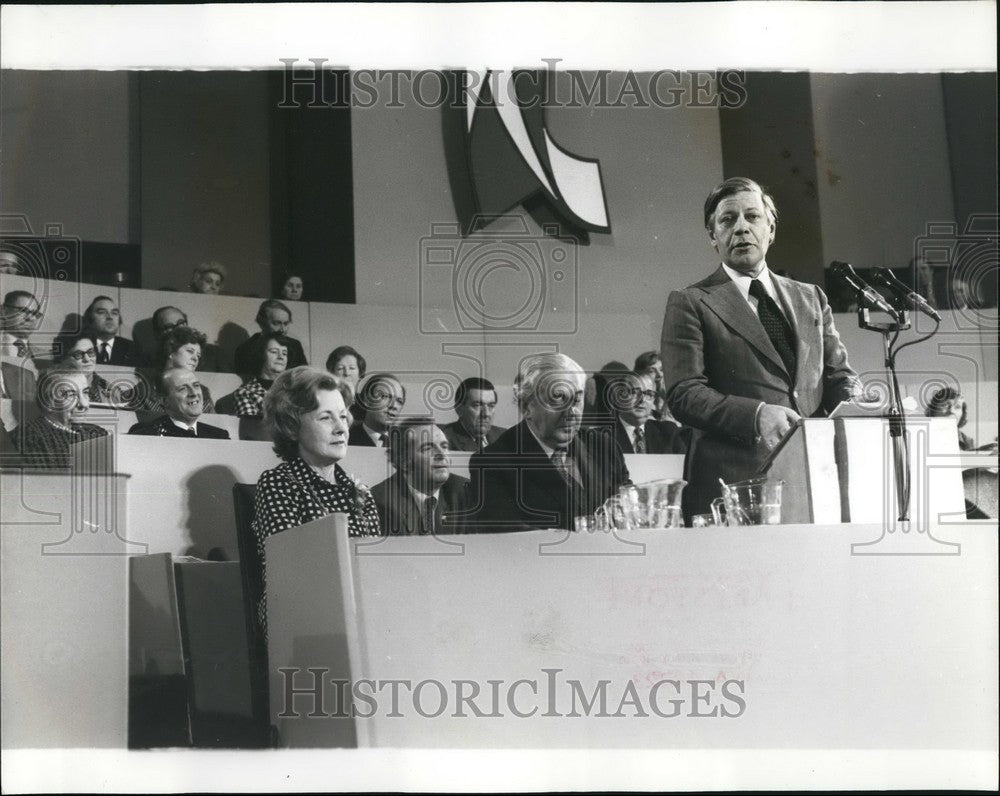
{"points": [[774, 323], [565, 468], [640, 439], [383, 438], [429, 506], [103, 358]]}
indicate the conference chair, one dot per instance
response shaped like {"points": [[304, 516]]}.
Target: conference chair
{"points": [[251, 571]]}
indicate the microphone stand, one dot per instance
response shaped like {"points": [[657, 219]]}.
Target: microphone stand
{"points": [[897, 421]]}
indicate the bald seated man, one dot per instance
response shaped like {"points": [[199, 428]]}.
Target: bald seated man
{"points": [[182, 397]]}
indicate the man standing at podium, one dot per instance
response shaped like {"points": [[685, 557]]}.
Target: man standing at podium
{"points": [[746, 352]]}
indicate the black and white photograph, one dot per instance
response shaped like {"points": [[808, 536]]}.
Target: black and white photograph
{"points": [[499, 397]]}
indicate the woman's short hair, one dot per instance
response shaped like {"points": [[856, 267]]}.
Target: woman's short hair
{"points": [[177, 338], [64, 342], [731, 187], [646, 360], [293, 394], [260, 349], [342, 351], [942, 401], [544, 372]]}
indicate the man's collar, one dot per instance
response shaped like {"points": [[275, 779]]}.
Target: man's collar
{"points": [[742, 281], [420, 497], [182, 425], [548, 450], [375, 435]]}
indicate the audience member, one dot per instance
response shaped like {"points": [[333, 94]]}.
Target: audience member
{"points": [[959, 296], [651, 364], [166, 319], [62, 398], [102, 320], [595, 405], [475, 402], [306, 414], [272, 359], [208, 278], [272, 317], [182, 398], [547, 470], [293, 288], [948, 402], [346, 363], [631, 396], [181, 348], [422, 496], [18, 385], [77, 352], [10, 264], [21, 317], [379, 402]]}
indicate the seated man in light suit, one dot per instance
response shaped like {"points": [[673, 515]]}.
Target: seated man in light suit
{"points": [[546, 470], [632, 397], [379, 402], [475, 402], [182, 396], [422, 496], [746, 352]]}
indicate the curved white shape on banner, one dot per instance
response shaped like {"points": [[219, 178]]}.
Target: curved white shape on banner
{"points": [[510, 115], [579, 183]]}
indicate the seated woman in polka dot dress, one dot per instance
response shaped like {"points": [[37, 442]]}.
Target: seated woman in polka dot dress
{"points": [[306, 415]]}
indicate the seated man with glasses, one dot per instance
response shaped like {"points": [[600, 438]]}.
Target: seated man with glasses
{"points": [[632, 397], [21, 316]]}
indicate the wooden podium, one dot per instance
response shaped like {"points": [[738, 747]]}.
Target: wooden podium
{"points": [[841, 470], [743, 638]]}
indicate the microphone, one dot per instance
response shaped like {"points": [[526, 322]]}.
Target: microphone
{"points": [[865, 292], [886, 277]]}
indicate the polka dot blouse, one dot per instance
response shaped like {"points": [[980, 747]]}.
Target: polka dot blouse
{"points": [[293, 494]]}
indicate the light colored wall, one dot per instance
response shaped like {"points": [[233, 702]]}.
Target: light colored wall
{"points": [[64, 151], [882, 164], [657, 166]]}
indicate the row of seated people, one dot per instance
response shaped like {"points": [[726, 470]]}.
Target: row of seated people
{"points": [[102, 321], [207, 278]]}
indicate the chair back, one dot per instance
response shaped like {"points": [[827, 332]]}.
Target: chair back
{"points": [[251, 571]]}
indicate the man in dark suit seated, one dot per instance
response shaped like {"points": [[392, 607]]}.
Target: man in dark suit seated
{"points": [[422, 496], [275, 317], [546, 470], [379, 402], [182, 396], [632, 397], [102, 320], [475, 402], [746, 352]]}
